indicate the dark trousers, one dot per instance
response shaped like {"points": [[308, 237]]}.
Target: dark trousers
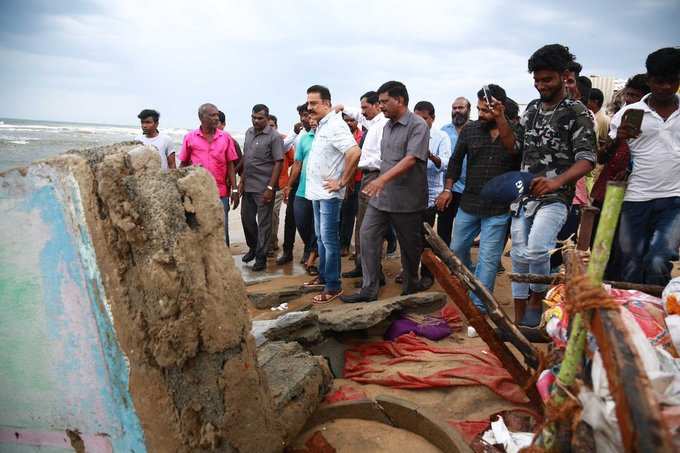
{"points": [[429, 216], [362, 205], [304, 220], [348, 214], [289, 226], [649, 238], [408, 227], [256, 218], [445, 219], [225, 207]]}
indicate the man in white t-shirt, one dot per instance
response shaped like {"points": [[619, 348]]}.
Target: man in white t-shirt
{"points": [[151, 136], [332, 162], [649, 234]]}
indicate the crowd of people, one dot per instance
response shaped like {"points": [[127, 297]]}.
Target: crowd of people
{"points": [[379, 171]]}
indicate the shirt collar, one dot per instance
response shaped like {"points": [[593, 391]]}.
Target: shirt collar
{"points": [[376, 119], [218, 132], [643, 102], [328, 116], [405, 118]]}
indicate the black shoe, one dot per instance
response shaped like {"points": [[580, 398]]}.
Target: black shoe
{"points": [[248, 257], [354, 273], [426, 283], [357, 297], [259, 265], [381, 282], [285, 258]]}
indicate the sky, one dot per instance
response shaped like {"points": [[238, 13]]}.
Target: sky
{"points": [[104, 61]]}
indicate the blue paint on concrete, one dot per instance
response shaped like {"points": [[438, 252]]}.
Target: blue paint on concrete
{"points": [[70, 280]]}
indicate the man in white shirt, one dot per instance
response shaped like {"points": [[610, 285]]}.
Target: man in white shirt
{"points": [[151, 136], [373, 120], [331, 165], [649, 234]]}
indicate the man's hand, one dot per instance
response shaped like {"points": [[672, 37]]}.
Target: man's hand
{"points": [[542, 185], [373, 188], [332, 185], [626, 132], [235, 198], [267, 196], [338, 108], [286, 193], [443, 200], [497, 108], [297, 128]]}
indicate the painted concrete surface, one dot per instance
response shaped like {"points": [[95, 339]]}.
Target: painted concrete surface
{"points": [[61, 366]]}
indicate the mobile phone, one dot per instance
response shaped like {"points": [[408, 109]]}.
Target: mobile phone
{"points": [[487, 95], [633, 118]]}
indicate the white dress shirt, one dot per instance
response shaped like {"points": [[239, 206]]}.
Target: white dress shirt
{"points": [[370, 152]]}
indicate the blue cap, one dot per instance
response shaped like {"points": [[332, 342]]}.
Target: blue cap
{"points": [[507, 187]]}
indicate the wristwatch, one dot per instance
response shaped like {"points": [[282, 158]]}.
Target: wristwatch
{"points": [[270, 188], [234, 191]]}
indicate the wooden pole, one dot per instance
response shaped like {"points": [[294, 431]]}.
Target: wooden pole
{"points": [[553, 279]]}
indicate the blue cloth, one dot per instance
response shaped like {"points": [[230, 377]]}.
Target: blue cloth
{"points": [[450, 129], [440, 146], [327, 228], [649, 237], [491, 244], [532, 238], [301, 154]]}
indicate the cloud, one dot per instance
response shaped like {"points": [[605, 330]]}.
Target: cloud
{"points": [[103, 61]]}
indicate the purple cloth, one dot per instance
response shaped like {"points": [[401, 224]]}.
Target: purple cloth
{"points": [[433, 329]]}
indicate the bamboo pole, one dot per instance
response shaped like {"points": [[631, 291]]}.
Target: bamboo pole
{"points": [[599, 257]]}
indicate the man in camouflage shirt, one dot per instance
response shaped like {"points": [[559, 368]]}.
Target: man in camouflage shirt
{"points": [[556, 141]]}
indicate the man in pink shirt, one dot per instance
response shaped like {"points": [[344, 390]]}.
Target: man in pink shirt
{"points": [[213, 149]]}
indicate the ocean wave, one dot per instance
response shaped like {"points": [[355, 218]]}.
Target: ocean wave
{"points": [[18, 142], [74, 128]]}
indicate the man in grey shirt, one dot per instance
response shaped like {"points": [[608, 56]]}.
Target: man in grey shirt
{"points": [[398, 195], [262, 157]]}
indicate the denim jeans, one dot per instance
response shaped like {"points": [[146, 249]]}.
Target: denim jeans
{"points": [[532, 239], [304, 221], [466, 227], [327, 227], [225, 207], [649, 237]]}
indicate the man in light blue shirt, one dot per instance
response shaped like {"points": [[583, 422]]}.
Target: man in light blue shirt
{"points": [[460, 114], [330, 167], [437, 162]]}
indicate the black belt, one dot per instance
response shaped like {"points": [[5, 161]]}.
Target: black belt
{"points": [[368, 172]]}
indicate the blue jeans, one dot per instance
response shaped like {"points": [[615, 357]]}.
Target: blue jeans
{"points": [[649, 237], [466, 227], [532, 239], [327, 227]]}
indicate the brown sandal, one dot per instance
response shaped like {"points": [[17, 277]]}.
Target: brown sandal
{"points": [[325, 298], [314, 283]]}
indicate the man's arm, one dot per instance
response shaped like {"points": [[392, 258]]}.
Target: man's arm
{"points": [[351, 160], [185, 152], [505, 132], [295, 171], [277, 155], [171, 161], [453, 171]]}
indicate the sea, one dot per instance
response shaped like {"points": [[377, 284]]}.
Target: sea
{"points": [[23, 141]]}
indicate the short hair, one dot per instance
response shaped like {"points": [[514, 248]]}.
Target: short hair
{"points": [[575, 67], [274, 119], [664, 62], [425, 106], [552, 57], [584, 86], [467, 101], [347, 117], [146, 113], [324, 92], [371, 97], [223, 117], [257, 108], [302, 108], [394, 89], [511, 109], [596, 95], [496, 92], [204, 107], [639, 82]]}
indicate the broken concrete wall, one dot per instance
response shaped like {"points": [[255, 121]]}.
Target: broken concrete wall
{"points": [[156, 266]]}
